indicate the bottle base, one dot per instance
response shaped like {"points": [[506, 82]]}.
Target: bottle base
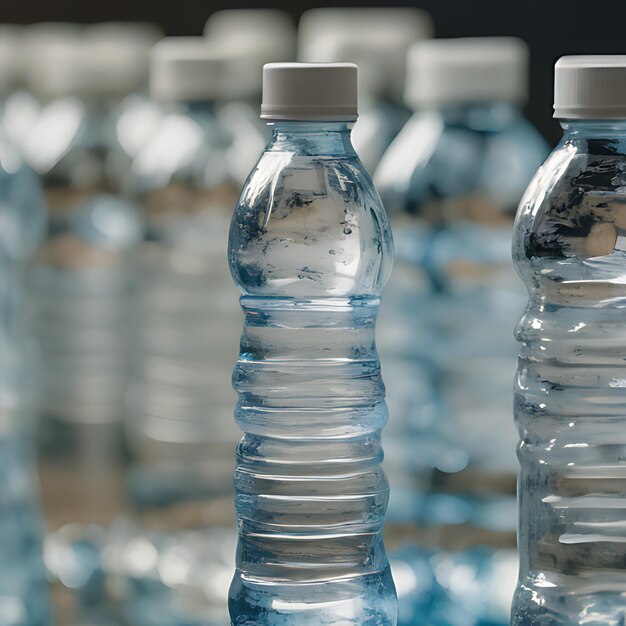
{"points": [[363, 601]]}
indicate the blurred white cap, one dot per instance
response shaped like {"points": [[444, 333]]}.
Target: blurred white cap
{"points": [[185, 69], [590, 87], [10, 56], [309, 91], [46, 46], [106, 60], [376, 39], [480, 69], [117, 57], [248, 39]]}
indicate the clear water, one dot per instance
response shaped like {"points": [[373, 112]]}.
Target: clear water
{"points": [[82, 283], [569, 397], [181, 430], [83, 275], [451, 180], [23, 585], [310, 249]]}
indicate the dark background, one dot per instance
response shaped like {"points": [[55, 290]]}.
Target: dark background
{"points": [[550, 27]]}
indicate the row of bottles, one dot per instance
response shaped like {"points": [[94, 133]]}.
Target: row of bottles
{"points": [[137, 318]]}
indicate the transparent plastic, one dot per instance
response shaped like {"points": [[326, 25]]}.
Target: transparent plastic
{"points": [[23, 586], [451, 181], [180, 429], [569, 394], [310, 249], [83, 275]]}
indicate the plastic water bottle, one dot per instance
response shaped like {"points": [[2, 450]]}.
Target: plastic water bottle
{"points": [[23, 584], [181, 430], [569, 250], [451, 181], [247, 39], [83, 275], [310, 249], [376, 40]]}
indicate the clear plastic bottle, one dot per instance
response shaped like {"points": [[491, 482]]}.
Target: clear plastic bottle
{"points": [[376, 40], [180, 428], [310, 249], [23, 584], [451, 181], [569, 394], [83, 276], [247, 39]]}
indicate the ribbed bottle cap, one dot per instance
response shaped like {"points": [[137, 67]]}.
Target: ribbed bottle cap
{"points": [[376, 39], [590, 87], [309, 91], [185, 69], [467, 70], [248, 39]]}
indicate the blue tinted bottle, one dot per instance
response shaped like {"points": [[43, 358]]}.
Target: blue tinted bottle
{"points": [[310, 249], [569, 393], [451, 181], [377, 40], [180, 429], [23, 585]]}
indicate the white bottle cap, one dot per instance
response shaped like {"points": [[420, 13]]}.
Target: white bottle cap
{"points": [[376, 39], [248, 39], [186, 69], [51, 58], [117, 57], [590, 87], [10, 57], [310, 92], [467, 70]]}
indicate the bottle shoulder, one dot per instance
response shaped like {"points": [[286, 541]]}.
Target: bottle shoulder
{"points": [[571, 223], [310, 226], [433, 160], [184, 149]]}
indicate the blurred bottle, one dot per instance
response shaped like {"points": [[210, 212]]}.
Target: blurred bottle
{"points": [[451, 181], [570, 252], [83, 276], [310, 249], [21, 106], [23, 585], [470, 587], [247, 39], [126, 574], [10, 64], [181, 430], [376, 40], [120, 72]]}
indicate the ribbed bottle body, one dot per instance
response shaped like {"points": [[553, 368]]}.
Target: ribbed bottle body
{"points": [[569, 389], [451, 181], [180, 431], [310, 249]]}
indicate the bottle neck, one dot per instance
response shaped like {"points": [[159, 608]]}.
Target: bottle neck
{"points": [[597, 136], [312, 138], [594, 128]]}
